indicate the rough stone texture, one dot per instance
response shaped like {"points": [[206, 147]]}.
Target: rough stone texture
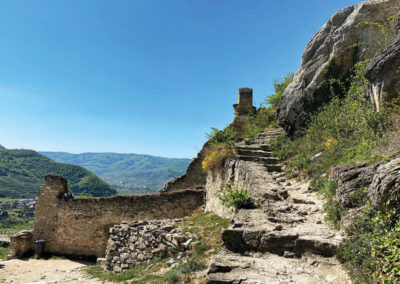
{"points": [[383, 71], [351, 179], [133, 243], [333, 40], [22, 243], [194, 177], [385, 184], [79, 226], [267, 244], [233, 268]]}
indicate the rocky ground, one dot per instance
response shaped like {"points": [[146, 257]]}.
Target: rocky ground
{"points": [[39, 271], [286, 240]]}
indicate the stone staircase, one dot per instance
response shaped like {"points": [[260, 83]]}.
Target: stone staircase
{"points": [[285, 240], [259, 151]]}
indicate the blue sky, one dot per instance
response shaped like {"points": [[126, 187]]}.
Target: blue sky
{"points": [[146, 76]]}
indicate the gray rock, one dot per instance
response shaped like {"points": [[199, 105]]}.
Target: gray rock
{"points": [[333, 40], [351, 179], [385, 184], [383, 73]]}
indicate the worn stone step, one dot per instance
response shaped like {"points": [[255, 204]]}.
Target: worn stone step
{"points": [[273, 167], [264, 160], [254, 152], [232, 268], [262, 147], [278, 240]]}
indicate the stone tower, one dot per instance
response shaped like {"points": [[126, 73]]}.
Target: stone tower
{"points": [[244, 107]]}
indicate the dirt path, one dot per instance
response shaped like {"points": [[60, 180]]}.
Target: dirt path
{"points": [[45, 272]]}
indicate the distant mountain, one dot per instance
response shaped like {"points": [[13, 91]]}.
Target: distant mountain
{"points": [[129, 173], [22, 173]]}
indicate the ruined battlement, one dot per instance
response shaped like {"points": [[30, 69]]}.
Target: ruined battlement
{"points": [[245, 102], [79, 226]]}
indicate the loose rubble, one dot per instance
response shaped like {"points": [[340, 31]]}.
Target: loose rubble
{"points": [[130, 244]]}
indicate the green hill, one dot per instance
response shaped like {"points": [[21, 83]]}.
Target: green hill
{"points": [[22, 173], [130, 173]]}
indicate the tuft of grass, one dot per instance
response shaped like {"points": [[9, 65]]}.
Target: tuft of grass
{"points": [[237, 198], [4, 251]]}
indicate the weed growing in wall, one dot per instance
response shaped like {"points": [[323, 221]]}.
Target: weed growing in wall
{"points": [[236, 197]]}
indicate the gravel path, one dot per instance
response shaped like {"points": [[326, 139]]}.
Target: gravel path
{"points": [[45, 272]]}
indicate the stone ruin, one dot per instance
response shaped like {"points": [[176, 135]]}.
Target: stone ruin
{"points": [[243, 108], [110, 227], [245, 102], [130, 244], [80, 226]]}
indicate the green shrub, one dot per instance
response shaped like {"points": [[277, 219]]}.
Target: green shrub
{"points": [[344, 131], [238, 198], [279, 87], [372, 250]]}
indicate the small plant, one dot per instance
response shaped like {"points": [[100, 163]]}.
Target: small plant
{"points": [[238, 198]]}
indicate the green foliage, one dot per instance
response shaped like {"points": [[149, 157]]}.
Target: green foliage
{"points": [[138, 173], [345, 131], [4, 251], [336, 84], [22, 173], [279, 87], [238, 198], [372, 250]]}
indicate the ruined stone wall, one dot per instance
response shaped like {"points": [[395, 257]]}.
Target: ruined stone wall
{"points": [[130, 244], [79, 226]]}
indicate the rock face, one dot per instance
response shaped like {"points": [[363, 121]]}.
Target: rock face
{"points": [[333, 41], [351, 179], [133, 243], [385, 184], [383, 71]]}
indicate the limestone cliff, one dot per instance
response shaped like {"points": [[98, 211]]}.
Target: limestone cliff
{"points": [[344, 38], [383, 71]]}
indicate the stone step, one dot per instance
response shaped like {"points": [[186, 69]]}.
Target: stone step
{"points": [[278, 239], [273, 168], [262, 147], [263, 160], [232, 268], [253, 152]]}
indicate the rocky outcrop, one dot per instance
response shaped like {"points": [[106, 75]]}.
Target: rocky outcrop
{"points": [[130, 244], [385, 186], [351, 179], [383, 71], [335, 40]]}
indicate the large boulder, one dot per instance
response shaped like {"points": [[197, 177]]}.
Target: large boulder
{"points": [[339, 41], [383, 71], [385, 185]]}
